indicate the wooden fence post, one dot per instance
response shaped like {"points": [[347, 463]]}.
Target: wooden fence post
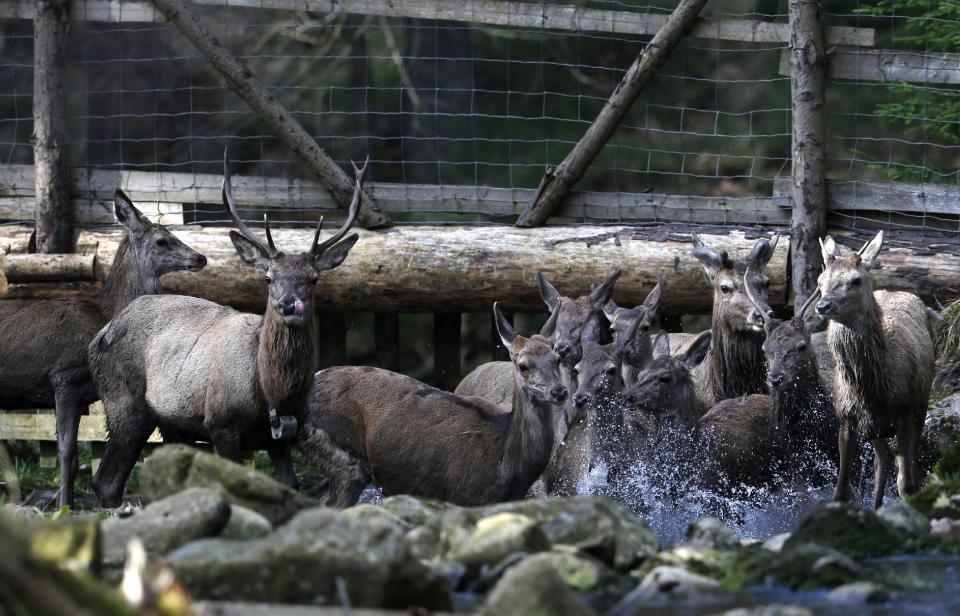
{"points": [[386, 340], [560, 181], [51, 144], [808, 66], [446, 350]]}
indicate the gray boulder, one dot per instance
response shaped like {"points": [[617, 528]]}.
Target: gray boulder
{"points": [[712, 533], [166, 524], [245, 524], [175, 467], [533, 587], [301, 562], [904, 518], [498, 536], [858, 593]]}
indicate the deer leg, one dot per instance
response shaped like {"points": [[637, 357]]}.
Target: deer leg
{"points": [[881, 469], [283, 464], [348, 475], [907, 436], [226, 444], [129, 427], [848, 453], [68, 410]]}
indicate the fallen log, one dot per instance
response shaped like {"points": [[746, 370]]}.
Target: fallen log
{"points": [[49, 268], [467, 268]]}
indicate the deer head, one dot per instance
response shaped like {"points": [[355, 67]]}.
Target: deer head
{"points": [[598, 372], [155, 251], [732, 310], [578, 320], [636, 346], [291, 279], [844, 285], [536, 365], [665, 389]]}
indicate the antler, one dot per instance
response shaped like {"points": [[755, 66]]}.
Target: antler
{"points": [[806, 305], [358, 172], [231, 208], [763, 310]]}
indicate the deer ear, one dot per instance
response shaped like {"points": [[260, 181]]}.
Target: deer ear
{"points": [[829, 249], [507, 334], [601, 295], [652, 303], [250, 253], [335, 255], [661, 344], [550, 327], [763, 251], [697, 352], [868, 254], [127, 214], [610, 310], [549, 293], [711, 260]]}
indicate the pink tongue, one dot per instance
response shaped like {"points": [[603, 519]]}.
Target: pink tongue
{"points": [[298, 308]]}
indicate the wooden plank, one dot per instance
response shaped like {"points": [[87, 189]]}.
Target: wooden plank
{"points": [[446, 350], [563, 17], [894, 197], [43, 427], [92, 191], [888, 66], [49, 267]]}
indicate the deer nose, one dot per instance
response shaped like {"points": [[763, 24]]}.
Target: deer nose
{"points": [[823, 306], [202, 260], [776, 379], [580, 400], [562, 349], [559, 393]]}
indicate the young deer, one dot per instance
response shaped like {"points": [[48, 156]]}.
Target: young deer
{"points": [[209, 372], [736, 366], [638, 347], [43, 343], [883, 346], [368, 424], [597, 432]]}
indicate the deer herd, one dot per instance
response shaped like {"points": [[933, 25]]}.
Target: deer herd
{"points": [[758, 398]]}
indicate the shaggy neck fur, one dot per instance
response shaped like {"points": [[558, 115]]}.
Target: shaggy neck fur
{"points": [[528, 445], [737, 364], [286, 362], [860, 350], [687, 406], [125, 282], [804, 411]]}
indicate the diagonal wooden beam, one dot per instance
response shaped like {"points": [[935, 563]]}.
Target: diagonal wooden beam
{"points": [[241, 80], [559, 183]]}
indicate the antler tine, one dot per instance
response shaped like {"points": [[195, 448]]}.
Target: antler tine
{"points": [[231, 208], [763, 310], [806, 305], [358, 173], [266, 229]]}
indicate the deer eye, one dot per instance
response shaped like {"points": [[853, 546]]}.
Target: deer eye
{"points": [[665, 378], [856, 281], [314, 279], [612, 370], [801, 347], [523, 367], [725, 289], [268, 278], [162, 243]]}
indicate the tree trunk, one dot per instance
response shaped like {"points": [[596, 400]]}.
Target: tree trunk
{"points": [[808, 64], [51, 143]]}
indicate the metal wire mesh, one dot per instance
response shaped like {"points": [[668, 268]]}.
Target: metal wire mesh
{"points": [[480, 110]]}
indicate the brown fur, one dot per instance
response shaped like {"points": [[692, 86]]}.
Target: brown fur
{"points": [[639, 348], [883, 347], [43, 343], [207, 372], [739, 438], [370, 425]]}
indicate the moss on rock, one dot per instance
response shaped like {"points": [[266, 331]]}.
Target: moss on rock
{"points": [[857, 532]]}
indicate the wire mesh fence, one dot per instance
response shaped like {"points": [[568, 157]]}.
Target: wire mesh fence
{"points": [[461, 119]]}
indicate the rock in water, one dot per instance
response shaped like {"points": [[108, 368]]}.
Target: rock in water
{"points": [[301, 561], [904, 518], [175, 467], [533, 587], [858, 593], [166, 524], [854, 531], [712, 533]]}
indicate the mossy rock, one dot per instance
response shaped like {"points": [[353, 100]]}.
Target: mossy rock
{"points": [[949, 463], [534, 587], [939, 498], [857, 532], [415, 511], [712, 533], [498, 536], [806, 567], [698, 559]]}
